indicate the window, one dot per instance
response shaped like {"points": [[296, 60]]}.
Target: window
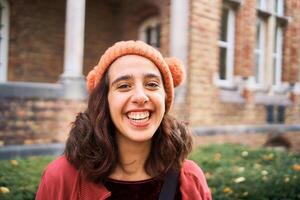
{"points": [[260, 50], [275, 114], [269, 44], [226, 45], [277, 56], [149, 31], [4, 22], [279, 7], [261, 4]]}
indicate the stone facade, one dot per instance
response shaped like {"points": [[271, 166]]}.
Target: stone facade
{"points": [[29, 121], [205, 103], [37, 33], [36, 40]]}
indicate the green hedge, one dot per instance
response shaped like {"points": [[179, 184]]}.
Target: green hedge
{"points": [[21, 177], [232, 171], [239, 172]]}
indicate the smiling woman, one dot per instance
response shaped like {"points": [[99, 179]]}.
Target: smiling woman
{"points": [[126, 145]]}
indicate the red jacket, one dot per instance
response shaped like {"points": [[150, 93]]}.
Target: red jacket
{"points": [[61, 181]]}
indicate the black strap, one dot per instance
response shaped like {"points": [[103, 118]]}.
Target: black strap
{"points": [[169, 187]]}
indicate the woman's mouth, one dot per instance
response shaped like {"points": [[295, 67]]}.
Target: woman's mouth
{"points": [[139, 118]]}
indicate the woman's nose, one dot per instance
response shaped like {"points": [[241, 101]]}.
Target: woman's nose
{"points": [[139, 96]]}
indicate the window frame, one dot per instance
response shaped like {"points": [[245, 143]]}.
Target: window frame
{"points": [[229, 44], [277, 56], [152, 22], [262, 5], [262, 52], [279, 10], [273, 63]]}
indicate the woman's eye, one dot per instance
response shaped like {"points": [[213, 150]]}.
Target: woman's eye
{"points": [[153, 84], [123, 86]]}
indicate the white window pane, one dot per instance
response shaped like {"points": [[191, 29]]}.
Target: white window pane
{"points": [[226, 44], [277, 56], [279, 7], [261, 4], [260, 50]]}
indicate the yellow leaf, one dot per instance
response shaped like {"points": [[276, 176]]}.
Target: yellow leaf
{"points": [[227, 190], [239, 179], [14, 162], [296, 167], [4, 190]]}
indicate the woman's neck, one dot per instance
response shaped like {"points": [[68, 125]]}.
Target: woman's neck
{"points": [[132, 158]]}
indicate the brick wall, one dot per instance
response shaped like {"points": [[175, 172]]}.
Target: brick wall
{"points": [[291, 51], [28, 121], [102, 30], [36, 40], [37, 31], [36, 54], [203, 56], [205, 106], [245, 39]]}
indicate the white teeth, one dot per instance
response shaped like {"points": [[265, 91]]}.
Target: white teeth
{"points": [[138, 115]]}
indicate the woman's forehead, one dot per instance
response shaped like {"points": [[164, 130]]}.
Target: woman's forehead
{"points": [[132, 65]]}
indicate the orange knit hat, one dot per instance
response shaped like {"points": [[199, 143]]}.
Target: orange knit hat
{"points": [[171, 69]]}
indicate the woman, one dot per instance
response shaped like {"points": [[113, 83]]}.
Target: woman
{"points": [[125, 143]]}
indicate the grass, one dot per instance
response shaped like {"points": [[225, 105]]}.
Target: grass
{"points": [[232, 171]]}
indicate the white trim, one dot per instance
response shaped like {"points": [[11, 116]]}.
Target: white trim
{"points": [[277, 56], [262, 4], [260, 52], [280, 9], [4, 41], [226, 84], [229, 45], [252, 85], [296, 89], [283, 88], [151, 22]]}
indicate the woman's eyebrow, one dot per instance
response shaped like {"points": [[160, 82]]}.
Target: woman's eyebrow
{"points": [[121, 78], [151, 75]]}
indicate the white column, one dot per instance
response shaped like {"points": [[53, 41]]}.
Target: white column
{"points": [[72, 78], [74, 38], [4, 40], [179, 36]]}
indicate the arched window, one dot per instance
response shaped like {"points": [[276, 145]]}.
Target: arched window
{"points": [[4, 27], [149, 31]]}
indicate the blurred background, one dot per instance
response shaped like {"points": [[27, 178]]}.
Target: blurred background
{"points": [[242, 59]]}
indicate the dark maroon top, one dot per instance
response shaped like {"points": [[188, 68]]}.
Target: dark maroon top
{"points": [[135, 190]]}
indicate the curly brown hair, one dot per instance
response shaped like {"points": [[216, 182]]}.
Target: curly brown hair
{"points": [[91, 146]]}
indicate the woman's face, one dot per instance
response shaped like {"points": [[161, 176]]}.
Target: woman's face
{"points": [[136, 97]]}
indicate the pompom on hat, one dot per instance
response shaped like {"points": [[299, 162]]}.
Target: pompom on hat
{"points": [[171, 69]]}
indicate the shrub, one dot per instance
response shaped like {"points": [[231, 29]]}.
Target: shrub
{"points": [[232, 171], [240, 172], [19, 178]]}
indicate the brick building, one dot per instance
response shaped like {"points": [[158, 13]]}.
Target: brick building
{"points": [[242, 60]]}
